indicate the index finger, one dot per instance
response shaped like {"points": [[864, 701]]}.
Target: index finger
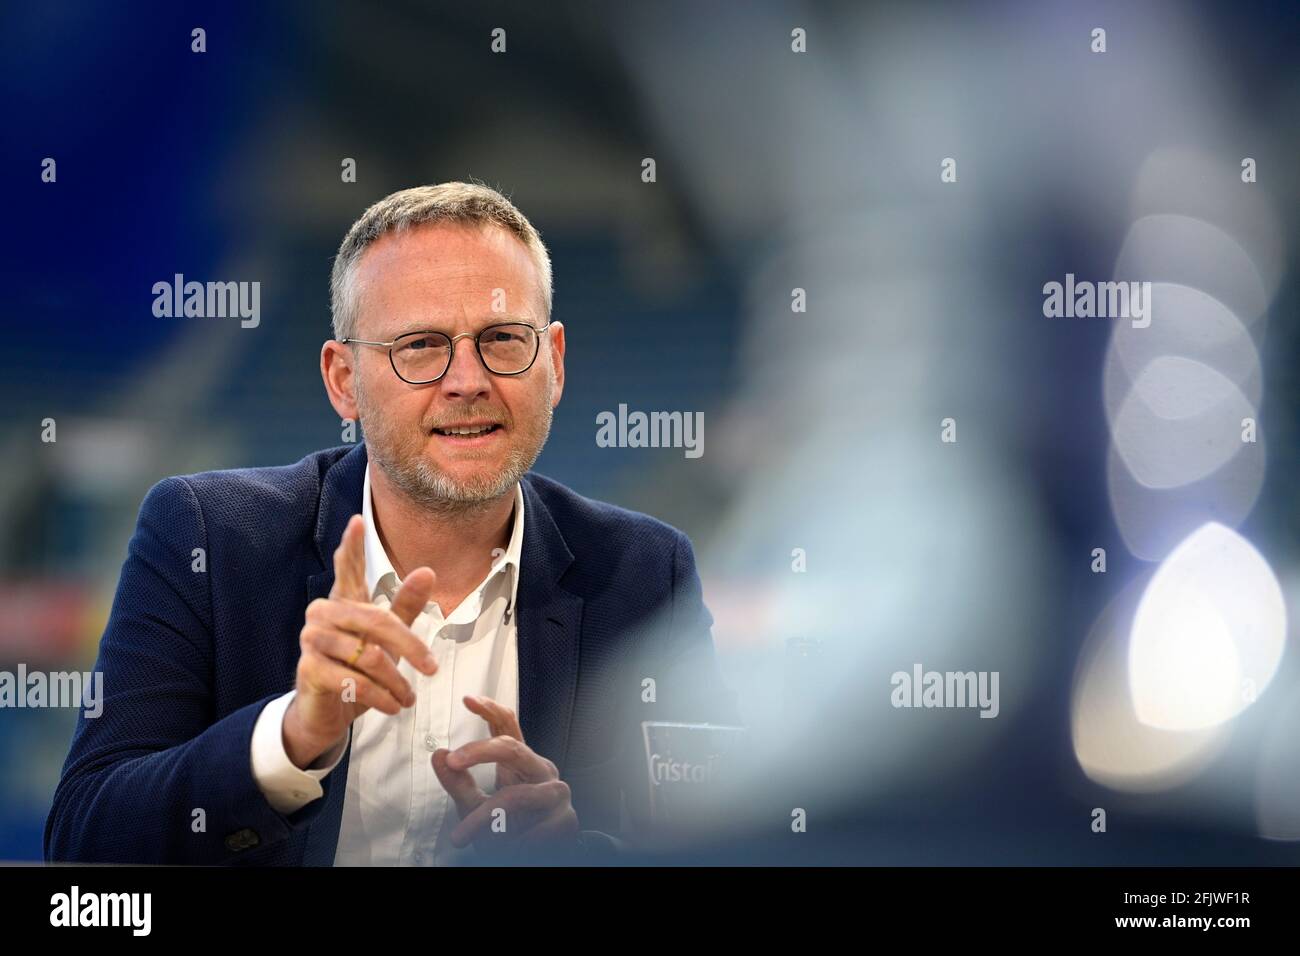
{"points": [[350, 562], [500, 720], [459, 784], [510, 751]]}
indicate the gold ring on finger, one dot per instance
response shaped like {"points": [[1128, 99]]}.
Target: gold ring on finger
{"points": [[356, 655]]}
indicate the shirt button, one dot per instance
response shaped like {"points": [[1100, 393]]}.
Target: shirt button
{"points": [[430, 742]]}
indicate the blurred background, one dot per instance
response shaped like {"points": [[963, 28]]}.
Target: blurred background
{"points": [[840, 538]]}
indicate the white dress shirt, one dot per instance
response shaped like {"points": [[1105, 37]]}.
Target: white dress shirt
{"points": [[395, 811]]}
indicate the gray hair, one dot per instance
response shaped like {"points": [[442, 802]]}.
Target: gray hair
{"points": [[455, 202]]}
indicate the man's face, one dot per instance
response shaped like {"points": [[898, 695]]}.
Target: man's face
{"points": [[449, 278]]}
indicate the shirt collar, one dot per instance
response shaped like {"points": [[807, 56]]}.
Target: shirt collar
{"points": [[382, 578]]}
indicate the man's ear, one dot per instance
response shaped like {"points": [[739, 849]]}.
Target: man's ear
{"points": [[337, 372], [556, 333]]}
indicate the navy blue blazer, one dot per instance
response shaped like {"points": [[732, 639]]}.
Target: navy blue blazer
{"points": [[194, 649]]}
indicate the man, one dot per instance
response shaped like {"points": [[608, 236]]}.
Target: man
{"points": [[413, 651]]}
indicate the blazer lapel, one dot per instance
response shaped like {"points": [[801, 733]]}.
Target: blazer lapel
{"points": [[340, 499], [549, 619]]}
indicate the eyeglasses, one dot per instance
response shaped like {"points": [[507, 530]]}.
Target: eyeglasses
{"points": [[419, 358]]}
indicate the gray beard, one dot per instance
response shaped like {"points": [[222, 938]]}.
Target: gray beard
{"points": [[436, 492]]}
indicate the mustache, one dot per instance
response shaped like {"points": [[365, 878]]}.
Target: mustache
{"points": [[466, 416]]}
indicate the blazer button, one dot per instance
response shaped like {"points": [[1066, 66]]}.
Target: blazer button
{"points": [[242, 840]]}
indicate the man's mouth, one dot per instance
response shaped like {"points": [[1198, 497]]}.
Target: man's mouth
{"points": [[476, 430]]}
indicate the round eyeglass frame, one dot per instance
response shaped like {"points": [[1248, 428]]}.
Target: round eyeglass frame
{"points": [[451, 346]]}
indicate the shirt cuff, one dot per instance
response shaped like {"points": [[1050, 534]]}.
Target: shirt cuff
{"points": [[286, 787]]}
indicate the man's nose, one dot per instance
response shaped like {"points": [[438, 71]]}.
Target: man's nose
{"points": [[466, 377]]}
